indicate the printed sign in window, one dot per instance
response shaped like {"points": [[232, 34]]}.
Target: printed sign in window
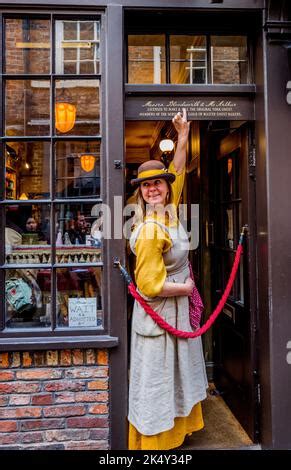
{"points": [[82, 312]]}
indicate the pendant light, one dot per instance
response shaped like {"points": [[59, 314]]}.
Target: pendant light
{"points": [[65, 113], [87, 160]]}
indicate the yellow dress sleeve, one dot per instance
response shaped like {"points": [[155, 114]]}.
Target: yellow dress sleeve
{"points": [[178, 184], [150, 272]]}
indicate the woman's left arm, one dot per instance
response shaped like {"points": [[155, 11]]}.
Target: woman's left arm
{"points": [[182, 127]]}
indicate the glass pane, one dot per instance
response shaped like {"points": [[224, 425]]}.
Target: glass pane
{"points": [[146, 59], [73, 39], [27, 170], [27, 43], [77, 169], [229, 59], [227, 178], [79, 302], [28, 298], [27, 234], [188, 59], [27, 107], [77, 107], [78, 229]]}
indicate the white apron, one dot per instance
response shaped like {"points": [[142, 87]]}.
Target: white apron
{"points": [[167, 374]]}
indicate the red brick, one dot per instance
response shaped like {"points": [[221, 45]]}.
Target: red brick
{"points": [[67, 435], [65, 357], [27, 359], [23, 412], [12, 438], [39, 358], [86, 372], [22, 387], [3, 400], [4, 360], [65, 397], [99, 433], [19, 399], [77, 356], [98, 385], [6, 375], [38, 374], [15, 359], [86, 445], [42, 424], [90, 356], [64, 385], [8, 426], [91, 396], [98, 409], [102, 357], [52, 358], [32, 437], [42, 399], [87, 422], [64, 410]]}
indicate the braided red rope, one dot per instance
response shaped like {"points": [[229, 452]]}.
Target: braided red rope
{"points": [[186, 334]]}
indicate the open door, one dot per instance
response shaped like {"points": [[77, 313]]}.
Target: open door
{"points": [[232, 205]]}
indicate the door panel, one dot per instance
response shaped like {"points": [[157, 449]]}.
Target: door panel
{"points": [[235, 371]]}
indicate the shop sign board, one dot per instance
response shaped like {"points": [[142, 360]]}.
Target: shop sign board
{"points": [[198, 108]]}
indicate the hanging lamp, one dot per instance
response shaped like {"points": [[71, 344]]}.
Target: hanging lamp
{"points": [[87, 160], [65, 113]]}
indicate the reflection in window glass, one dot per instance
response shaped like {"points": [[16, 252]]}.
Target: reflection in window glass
{"points": [[146, 59], [27, 45], [79, 302], [188, 59], [77, 169], [28, 298], [78, 233], [77, 47], [77, 110], [27, 170], [27, 107], [27, 234], [229, 59]]}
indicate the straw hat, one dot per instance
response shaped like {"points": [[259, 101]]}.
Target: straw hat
{"points": [[150, 170]]}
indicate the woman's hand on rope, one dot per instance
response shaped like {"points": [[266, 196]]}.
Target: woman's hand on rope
{"points": [[189, 286]]}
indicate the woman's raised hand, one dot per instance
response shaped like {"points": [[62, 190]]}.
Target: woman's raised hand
{"points": [[181, 124]]}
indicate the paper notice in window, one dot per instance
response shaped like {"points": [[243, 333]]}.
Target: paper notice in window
{"points": [[82, 312]]}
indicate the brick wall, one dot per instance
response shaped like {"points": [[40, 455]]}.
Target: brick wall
{"points": [[54, 400]]}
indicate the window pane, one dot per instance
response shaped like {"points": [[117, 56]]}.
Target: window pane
{"points": [[28, 298], [78, 229], [229, 59], [146, 59], [27, 46], [77, 169], [27, 234], [77, 107], [27, 170], [188, 59], [78, 47], [27, 107], [79, 302]]}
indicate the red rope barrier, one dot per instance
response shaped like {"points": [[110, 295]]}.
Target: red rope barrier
{"points": [[186, 334]]}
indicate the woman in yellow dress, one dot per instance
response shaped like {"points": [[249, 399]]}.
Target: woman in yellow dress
{"points": [[167, 374]]}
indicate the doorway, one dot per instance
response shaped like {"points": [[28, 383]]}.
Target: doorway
{"points": [[221, 180]]}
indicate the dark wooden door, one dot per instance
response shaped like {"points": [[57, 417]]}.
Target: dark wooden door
{"points": [[233, 205]]}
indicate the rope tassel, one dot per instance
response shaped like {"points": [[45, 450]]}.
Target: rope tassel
{"points": [[169, 328]]}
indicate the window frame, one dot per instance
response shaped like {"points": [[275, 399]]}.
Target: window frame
{"points": [[53, 336], [208, 58]]}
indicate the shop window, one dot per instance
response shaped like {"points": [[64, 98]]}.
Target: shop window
{"points": [[51, 259], [77, 47], [187, 59], [229, 59], [146, 59]]}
